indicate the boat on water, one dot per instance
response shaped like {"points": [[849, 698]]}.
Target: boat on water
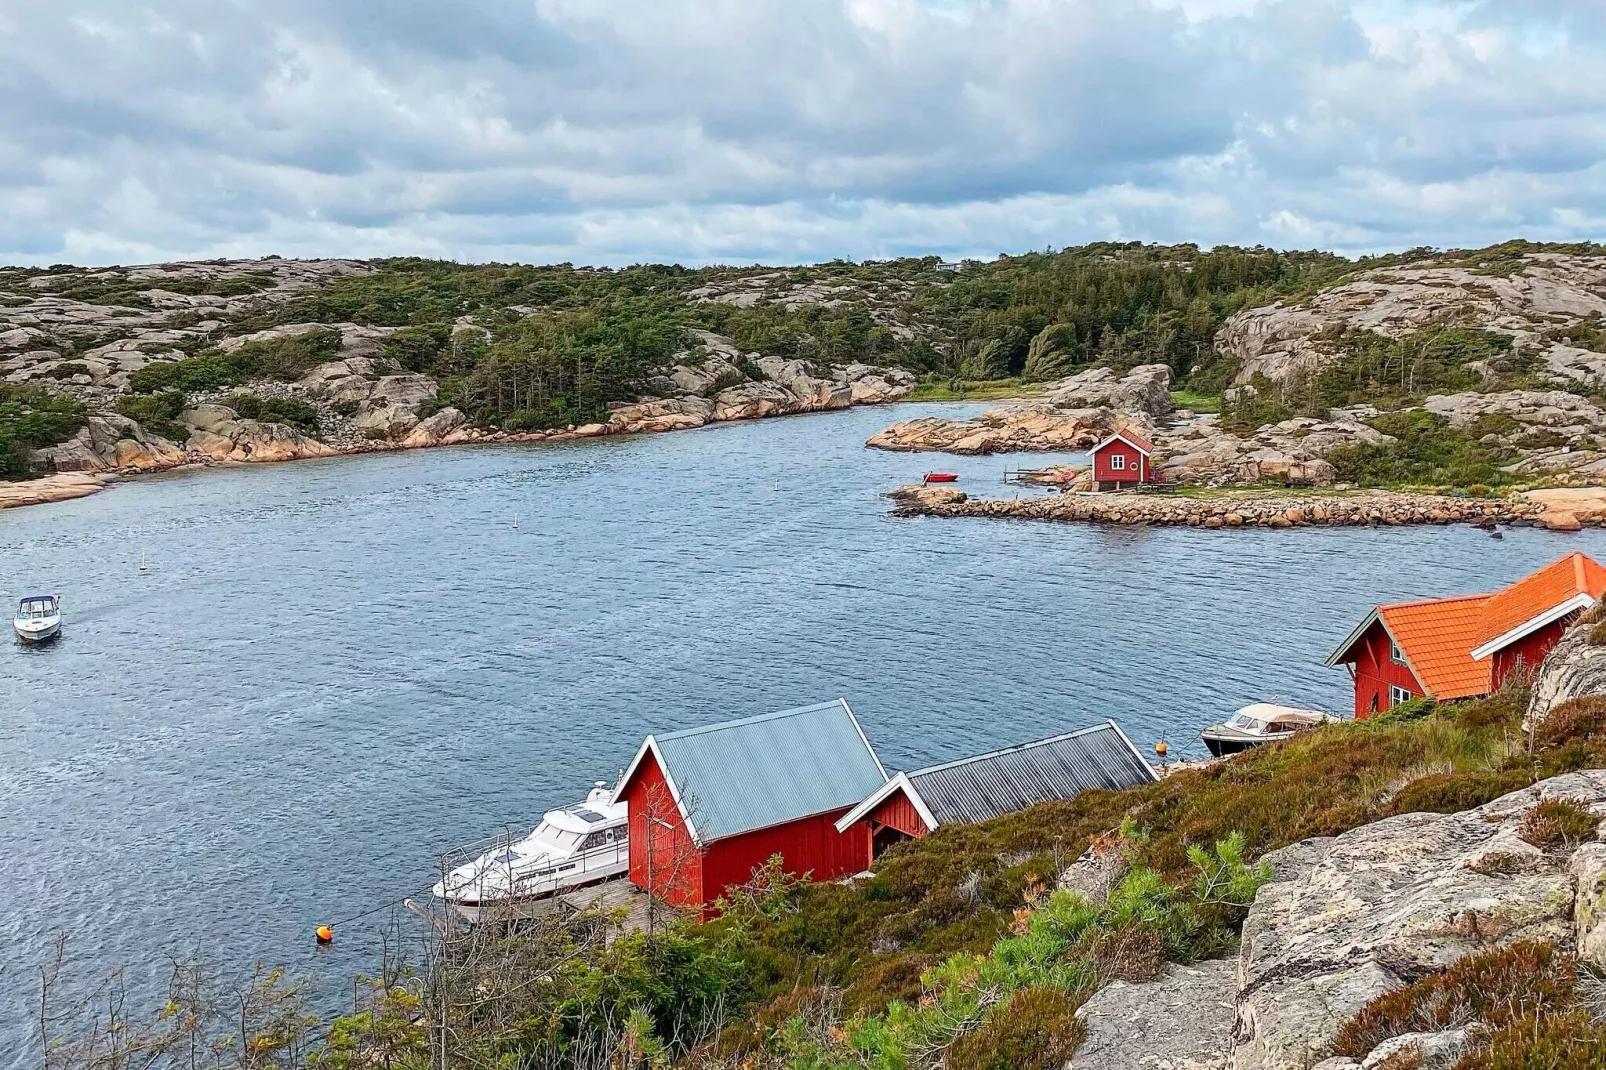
{"points": [[1260, 723], [941, 477], [518, 877], [38, 618]]}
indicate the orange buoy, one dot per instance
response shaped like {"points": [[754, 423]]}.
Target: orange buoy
{"points": [[1159, 748], [326, 935]]}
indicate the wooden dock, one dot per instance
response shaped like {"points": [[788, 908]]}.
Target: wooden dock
{"points": [[617, 903]]}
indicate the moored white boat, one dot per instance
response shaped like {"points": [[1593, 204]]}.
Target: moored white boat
{"points": [[1260, 723], [582, 844], [38, 618]]}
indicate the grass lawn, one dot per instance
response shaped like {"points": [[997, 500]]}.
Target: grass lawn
{"points": [[962, 390]]}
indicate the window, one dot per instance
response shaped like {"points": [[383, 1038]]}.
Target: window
{"points": [[1396, 655], [1398, 694], [1117, 463]]}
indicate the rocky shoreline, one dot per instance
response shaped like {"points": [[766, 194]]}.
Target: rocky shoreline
{"points": [[1357, 509]]}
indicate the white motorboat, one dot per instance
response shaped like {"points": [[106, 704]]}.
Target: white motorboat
{"points": [[38, 618], [586, 843], [1260, 723]]}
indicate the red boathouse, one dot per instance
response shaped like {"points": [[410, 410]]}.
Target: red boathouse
{"points": [[1122, 460], [710, 805], [911, 806], [1465, 647]]}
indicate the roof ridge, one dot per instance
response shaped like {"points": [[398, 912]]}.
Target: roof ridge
{"points": [[1013, 747], [719, 726], [1440, 601]]}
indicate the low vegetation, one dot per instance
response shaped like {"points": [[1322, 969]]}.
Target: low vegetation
{"points": [[292, 411], [158, 413], [1427, 451], [32, 418], [288, 357], [959, 951]]}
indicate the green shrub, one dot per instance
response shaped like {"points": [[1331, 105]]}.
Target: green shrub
{"points": [[68, 370], [1559, 823], [157, 413], [1451, 793], [1410, 710], [1428, 451], [292, 411], [1525, 996], [273, 358], [32, 418], [1577, 720], [1037, 1030]]}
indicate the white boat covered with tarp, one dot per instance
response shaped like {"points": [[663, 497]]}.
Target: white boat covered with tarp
{"points": [[1260, 723], [519, 876], [38, 618]]}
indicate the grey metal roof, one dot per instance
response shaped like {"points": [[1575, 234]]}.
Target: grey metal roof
{"points": [[1004, 781], [762, 771]]}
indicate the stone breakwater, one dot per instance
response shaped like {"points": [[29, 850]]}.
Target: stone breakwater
{"points": [[1362, 509]]}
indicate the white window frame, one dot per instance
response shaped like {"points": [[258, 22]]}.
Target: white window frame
{"points": [[1118, 462], [1398, 694], [1396, 655]]}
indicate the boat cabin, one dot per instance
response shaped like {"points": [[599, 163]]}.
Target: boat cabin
{"points": [[1122, 460], [36, 607], [913, 805], [1259, 723], [709, 806], [1466, 646]]}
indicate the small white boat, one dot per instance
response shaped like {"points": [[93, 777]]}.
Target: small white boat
{"points": [[38, 618], [1260, 723], [583, 844]]}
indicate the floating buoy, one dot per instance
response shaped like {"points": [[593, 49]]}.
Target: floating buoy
{"points": [[1159, 748], [142, 560], [515, 521], [325, 935]]}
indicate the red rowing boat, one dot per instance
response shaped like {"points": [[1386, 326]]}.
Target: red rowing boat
{"points": [[941, 477]]}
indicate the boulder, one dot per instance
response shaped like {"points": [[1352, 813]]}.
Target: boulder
{"points": [[110, 442], [435, 430], [1572, 669], [220, 435], [659, 414], [1145, 389], [337, 381], [1391, 902], [1180, 1021], [53, 488], [391, 408]]}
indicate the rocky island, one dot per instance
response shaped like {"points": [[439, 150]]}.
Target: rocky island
{"points": [[1315, 427]]}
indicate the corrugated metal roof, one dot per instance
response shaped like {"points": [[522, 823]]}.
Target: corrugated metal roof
{"points": [[1004, 781], [762, 771]]}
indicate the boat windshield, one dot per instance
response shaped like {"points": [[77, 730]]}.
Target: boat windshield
{"points": [[1243, 720], [557, 837], [35, 608]]}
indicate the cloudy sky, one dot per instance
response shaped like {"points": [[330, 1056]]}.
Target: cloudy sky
{"points": [[615, 131]]}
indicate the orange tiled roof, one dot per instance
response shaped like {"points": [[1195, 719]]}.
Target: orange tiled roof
{"points": [[1132, 438], [1573, 575], [1438, 636]]}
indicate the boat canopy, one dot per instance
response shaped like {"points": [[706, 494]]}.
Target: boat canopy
{"points": [[39, 598], [1270, 717]]}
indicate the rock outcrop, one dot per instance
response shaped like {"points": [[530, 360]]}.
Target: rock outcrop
{"points": [[219, 434], [1181, 1021], [1575, 667], [392, 406], [1073, 414], [1388, 903], [56, 488], [1294, 451], [1534, 304], [107, 443]]}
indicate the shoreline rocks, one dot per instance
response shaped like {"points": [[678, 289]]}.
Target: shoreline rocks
{"points": [[1358, 509], [63, 486]]}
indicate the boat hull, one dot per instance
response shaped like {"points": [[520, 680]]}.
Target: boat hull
{"points": [[524, 907], [1226, 744], [41, 635]]}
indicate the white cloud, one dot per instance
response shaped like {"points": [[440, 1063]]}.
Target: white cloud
{"points": [[617, 130]]}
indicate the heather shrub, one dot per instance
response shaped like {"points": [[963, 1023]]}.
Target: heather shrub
{"points": [[1559, 823], [1451, 793], [1036, 1030]]}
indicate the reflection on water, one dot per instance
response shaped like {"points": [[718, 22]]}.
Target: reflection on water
{"points": [[333, 670]]}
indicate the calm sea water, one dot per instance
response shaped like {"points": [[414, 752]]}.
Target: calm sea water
{"points": [[332, 671]]}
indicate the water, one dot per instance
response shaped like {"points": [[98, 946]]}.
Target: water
{"points": [[332, 671]]}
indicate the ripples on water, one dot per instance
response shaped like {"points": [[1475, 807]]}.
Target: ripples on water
{"points": [[334, 670]]}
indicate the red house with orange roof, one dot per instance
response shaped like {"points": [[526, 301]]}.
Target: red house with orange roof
{"points": [[1465, 647], [1122, 460]]}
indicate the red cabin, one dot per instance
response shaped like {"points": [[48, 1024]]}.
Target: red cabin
{"points": [[911, 806], [710, 805], [1122, 460], [1465, 647]]}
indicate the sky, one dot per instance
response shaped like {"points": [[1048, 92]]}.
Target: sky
{"points": [[782, 131]]}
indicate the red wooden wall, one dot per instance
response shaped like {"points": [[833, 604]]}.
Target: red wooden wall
{"points": [[685, 875], [808, 845], [1529, 650], [1136, 470], [1375, 671], [896, 811], [675, 869]]}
